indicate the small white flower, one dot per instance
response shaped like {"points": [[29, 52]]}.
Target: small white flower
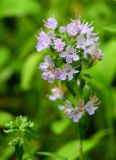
{"points": [[56, 94], [90, 107], [75, 114], [62, 29], [51, 23]]}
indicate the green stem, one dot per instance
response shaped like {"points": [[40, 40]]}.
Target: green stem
{"points": [[19, 151], [80, 143]]}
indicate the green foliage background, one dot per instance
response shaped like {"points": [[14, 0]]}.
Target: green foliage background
{"points": [[23, 92]]}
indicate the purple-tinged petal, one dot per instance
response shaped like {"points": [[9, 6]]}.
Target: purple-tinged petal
{"points": [[69, 59], [63, 54], [75, 114], [77, 117], [70, 76], [73, 27], [59, 45], [90, 108], [51, 23], [62, 29], [56, 94], [75, 57], [61, 107], [43, 41]]}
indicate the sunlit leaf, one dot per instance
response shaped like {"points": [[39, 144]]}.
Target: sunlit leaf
{"points": [[27, 46], [71, 149], [4, 56], [19, 8], [6, 153], [111, 28], [114, 101], [29, 69], [6, 73], [59, 126], [5, 117]]}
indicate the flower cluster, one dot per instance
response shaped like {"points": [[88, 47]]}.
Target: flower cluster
{"points": [[75, 113], [69, 45], [51, 72], [67, 50]]}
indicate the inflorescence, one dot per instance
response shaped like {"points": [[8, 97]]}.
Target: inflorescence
{"points": [[67, 50]]}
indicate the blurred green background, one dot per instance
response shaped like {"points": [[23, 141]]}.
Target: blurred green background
{"points": [[23, 92]]}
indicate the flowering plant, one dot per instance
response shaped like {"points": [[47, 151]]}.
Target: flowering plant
{"points": [[69, 50]]}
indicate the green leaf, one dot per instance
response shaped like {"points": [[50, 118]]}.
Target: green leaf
{"points": [[111, 28], [4, 56], [6, 73], [71, 149], [7, 152], [59, 126], [27, 46], [19, 8], [5, 117], [114, 102], [29, 69], [104, 71]]}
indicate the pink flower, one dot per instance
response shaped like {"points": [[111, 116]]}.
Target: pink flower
{"points": [[73, 27], [59, 45]]}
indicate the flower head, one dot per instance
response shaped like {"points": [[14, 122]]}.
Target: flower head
{"points": [[43, 41], [51, 23], [67, 107], [98, 55], [80, 41], [49, 69], [48, 63], [68, 48], [73, 27], [74, 113], [90, 107], [67, 72], [85, 28], [70, 54]]}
